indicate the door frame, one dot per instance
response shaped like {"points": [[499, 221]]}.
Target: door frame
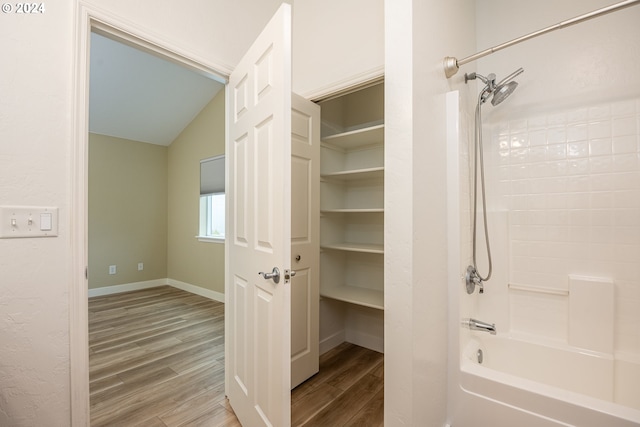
{"points": [[91, 19]]}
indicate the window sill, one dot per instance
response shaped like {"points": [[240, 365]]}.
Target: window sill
{"points": [[208, 239]]}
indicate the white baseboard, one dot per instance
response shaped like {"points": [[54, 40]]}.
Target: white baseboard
{"points": [[371, 342], [331, 341], [207, 293], [127, 287]]}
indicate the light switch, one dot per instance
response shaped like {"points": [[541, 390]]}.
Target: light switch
{"points": [[28, 221], [45, 221]]}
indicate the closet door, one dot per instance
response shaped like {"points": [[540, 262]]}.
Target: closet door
{"points": [[258, 318], [305, 239]]}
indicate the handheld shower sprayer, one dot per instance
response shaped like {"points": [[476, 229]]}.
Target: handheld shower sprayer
{"points": [[500, 91]]}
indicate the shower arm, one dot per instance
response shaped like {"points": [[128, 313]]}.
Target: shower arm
{"points": [[451, 64]]}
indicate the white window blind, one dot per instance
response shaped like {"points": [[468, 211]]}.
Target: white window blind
{"points": [[212, 175]]}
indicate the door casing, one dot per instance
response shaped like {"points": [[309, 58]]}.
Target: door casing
{"points": [[92, 19]]}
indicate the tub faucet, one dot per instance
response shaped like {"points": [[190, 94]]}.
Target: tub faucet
{"points": [[477, 325]]}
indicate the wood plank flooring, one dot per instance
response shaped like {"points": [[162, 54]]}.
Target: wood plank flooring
{"points": [[348, 390], [156, 358]]}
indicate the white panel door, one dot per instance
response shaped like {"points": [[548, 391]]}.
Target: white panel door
{"points": [[258, 341], [305, 238]]}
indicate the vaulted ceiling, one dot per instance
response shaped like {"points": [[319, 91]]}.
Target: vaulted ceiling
{"points": [[141, 97]]}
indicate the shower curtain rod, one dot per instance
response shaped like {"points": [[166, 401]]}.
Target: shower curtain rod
{"points": [[451, 64]]}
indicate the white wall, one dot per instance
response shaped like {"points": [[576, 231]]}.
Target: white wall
{"points": [[591, 61], [569, 202], [419, 34], [36, 156], [35, 80], [563, 153], [336, 42], [219, 32]]}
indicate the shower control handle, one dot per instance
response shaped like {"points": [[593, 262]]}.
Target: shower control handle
{"points": [[473, 279]]}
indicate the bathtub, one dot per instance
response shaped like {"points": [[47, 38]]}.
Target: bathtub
{"points": [[525, 383], [522, 381]]}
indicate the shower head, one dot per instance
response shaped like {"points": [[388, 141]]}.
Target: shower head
{"points": [[500, 91], [505, 87]]}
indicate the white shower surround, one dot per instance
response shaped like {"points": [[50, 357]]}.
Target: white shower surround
{"points": [[552, 179], [569, 181]]}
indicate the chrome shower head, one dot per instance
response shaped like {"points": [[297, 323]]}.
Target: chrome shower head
{"points": [[502, 92], [505, 87]]}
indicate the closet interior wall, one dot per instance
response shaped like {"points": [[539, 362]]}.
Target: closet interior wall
{"points": [[352, 219]]}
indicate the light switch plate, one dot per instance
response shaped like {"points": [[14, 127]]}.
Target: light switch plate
{"points": [[28, 221]]}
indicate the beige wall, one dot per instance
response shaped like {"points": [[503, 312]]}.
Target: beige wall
{"points": [[144, 207], [190, 261], [127, 210]]}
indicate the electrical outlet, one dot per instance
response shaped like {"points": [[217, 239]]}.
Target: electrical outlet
{"points": [[112, 269], [140, 266]]}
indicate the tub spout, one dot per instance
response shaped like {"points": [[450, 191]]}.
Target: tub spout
{"points": [[477, 325]]}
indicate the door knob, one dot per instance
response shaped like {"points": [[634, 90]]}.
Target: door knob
{"points": [[274, 275]]}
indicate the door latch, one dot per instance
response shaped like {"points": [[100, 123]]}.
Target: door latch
{"points": [[288, 274]]}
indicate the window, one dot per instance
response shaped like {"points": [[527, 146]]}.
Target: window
{"points": [[212, 199], [212, 216]]}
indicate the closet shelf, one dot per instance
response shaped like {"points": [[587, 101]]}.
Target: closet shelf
{"points": [[355, 247], [352, 175], [352, 210], [357, 138], [354, 295]]}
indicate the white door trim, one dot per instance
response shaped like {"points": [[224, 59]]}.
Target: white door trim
{"points": [[349, 84], [88, 18]]}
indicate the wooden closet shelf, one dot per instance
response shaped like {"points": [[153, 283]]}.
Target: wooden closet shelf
{"points": [[356, 247], [354, 295], [353, 210], [372, 135], [352, 175]]}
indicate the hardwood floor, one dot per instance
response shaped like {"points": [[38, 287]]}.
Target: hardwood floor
{"points": [[156, 358], [348, 390]]}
